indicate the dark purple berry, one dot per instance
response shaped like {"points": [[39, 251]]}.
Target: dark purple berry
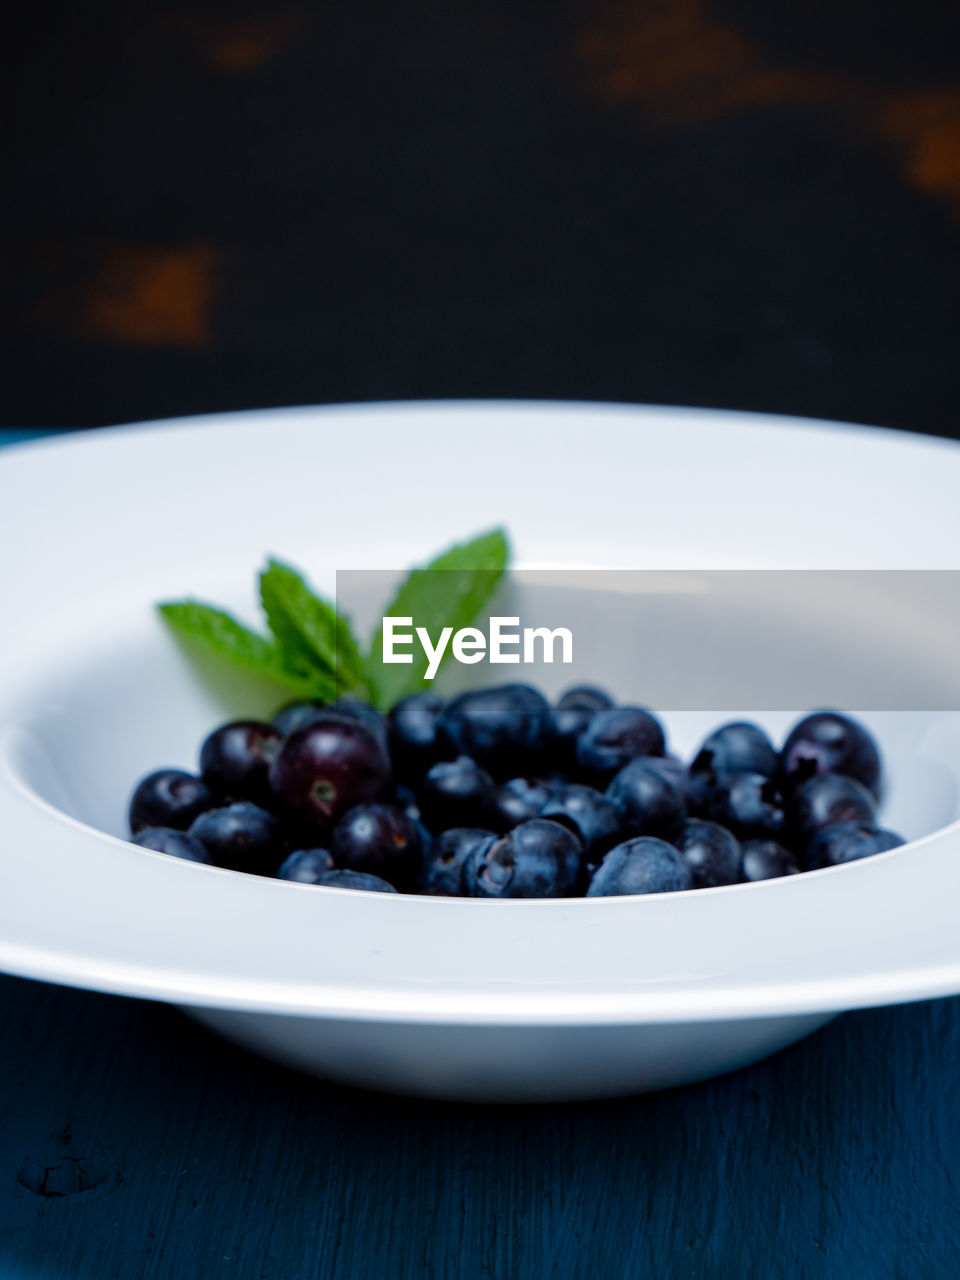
{"points": [[538, 859], [417, 740], [828, 742], [235, 760], [590, 815], [676, 771], [848, 842], [441, 874], [506, 729], [614, 738], [671, 768], [305, 866], [518, 801], [735, 747], [455, 793], [405, 798], [711, 853], [571, 716], [241, 837], [170, 841], [651, 804], [169, 798], [643, 865], [585, 697], [326, 768], [380, 840], [829, 798], [342, 878], [568, 725], [766, 860], [698, 791], [747, 804], [297, 715]]}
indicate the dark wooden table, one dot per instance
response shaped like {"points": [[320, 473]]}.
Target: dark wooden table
{"points": [[134, 1144]]}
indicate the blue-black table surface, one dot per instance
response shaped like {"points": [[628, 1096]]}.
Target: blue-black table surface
{"points": [[134, 1144]]}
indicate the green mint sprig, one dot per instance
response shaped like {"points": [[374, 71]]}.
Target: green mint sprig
{"points": [[312, 649]]}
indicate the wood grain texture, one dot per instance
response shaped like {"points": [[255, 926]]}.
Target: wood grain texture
{"points": [[838, 1157]]}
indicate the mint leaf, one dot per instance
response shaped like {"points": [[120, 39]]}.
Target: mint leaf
{"points": [[312, 637], [313, 650], [448, 592], [223, 635]]}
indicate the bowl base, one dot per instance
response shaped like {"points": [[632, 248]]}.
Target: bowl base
{"points": [[503, 1063]]}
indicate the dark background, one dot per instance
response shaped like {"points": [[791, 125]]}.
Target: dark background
{"points": [[707, 202], [736, 204]]}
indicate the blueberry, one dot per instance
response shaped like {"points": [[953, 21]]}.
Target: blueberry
{"points": [[711, 853], [363, 713], [176, 843], [614, 738], [441, 874], [590, 815], [847, 842], [169, 798], [455, 793], [327, 767], [235, 760], [242, 837], [405, 798], [676, 771], [342, 878], [378, 839], [671, 768], [426, 836], [417, 739], [651, 804], [732, 748], [828, 798], [747, 804], [642, 865], [571, 716], [828, 742], [538, 859], [506, 729], [735, 747], [568, 723], [698, 790], [297, 715], [766, 860], [585, 697], [518, 801], [305, 865]]}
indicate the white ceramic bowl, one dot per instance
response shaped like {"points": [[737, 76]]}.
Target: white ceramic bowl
{"points": [[442, 997]]}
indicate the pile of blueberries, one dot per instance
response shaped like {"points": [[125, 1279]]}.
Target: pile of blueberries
{"points": [[498, 794]]}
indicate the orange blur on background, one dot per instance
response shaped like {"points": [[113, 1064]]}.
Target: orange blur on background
{"points": [[690, 201]]}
